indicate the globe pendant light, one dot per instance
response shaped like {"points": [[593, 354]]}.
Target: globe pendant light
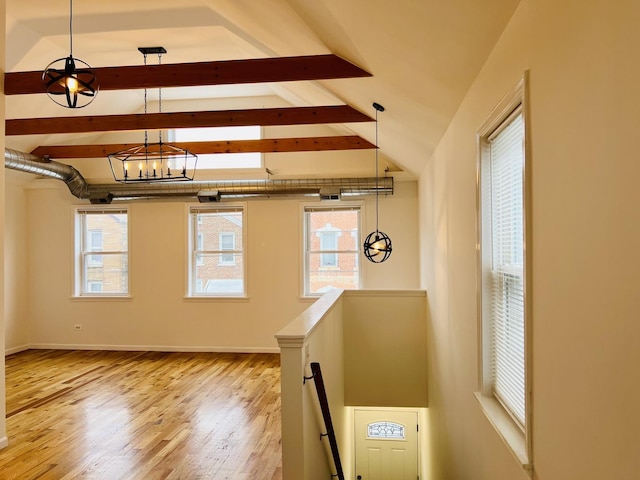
{"points": [[70, 82], [377, 245]]}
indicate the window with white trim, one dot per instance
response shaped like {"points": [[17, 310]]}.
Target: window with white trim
{"points": [[216, 261], [103, 230], [503, 296], [331, 248]]}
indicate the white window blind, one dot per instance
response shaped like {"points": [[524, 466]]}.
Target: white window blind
{"points": [[506, 278]]}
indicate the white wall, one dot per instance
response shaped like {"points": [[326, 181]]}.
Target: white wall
{"points": [[158, 316], [583, 63]]}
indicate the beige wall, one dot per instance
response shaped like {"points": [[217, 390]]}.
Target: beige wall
{"points": [[158, 316], [16, 291], [385, 349], [3, 425], [582, 58]]}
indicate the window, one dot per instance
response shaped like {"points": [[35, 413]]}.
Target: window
{"points": [[95, 245], [199, 244], [502, 260], [95, 287], [386, 431], [331, 246], [329, 242], [227, 242], [103, 230], [223, 160], [216, 266]]}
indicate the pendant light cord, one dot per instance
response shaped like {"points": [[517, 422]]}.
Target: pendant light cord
{"points": [[160, 101], [71, 28], [146, 132], [376, 169]]}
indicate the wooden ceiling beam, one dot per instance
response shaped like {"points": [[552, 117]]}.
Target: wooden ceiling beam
{"points": [[259, 70], [155, 121], [302, 144]]}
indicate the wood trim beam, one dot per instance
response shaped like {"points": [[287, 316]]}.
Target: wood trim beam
{"points": [[302, 144], [155, 121], [259, 70]]}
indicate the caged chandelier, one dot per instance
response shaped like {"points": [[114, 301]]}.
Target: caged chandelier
{"points": [[70, 82], [377, 245], [153, 162]]}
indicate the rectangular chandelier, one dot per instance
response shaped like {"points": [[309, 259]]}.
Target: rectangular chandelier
{"points": [[155, 162]]}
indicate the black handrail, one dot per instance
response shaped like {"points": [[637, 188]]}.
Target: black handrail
{"points": [[326, 415]]}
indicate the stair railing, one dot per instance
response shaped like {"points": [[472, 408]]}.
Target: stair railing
{"points": [[326, 415]]}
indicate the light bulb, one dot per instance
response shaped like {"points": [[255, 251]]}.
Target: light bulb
{"points": [[72, 84]]}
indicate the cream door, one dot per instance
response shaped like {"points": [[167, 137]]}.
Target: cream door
{"points": [[386, 445]]}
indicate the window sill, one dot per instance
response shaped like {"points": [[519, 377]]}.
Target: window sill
{"points": [[214, 298], [508, 431], [309, 298], [102, 298]]}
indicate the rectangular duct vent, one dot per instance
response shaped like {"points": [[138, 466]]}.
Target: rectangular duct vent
{"points": [[208, 196], [329, 194]]}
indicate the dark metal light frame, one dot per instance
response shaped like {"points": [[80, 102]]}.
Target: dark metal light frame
{"points": [[377, 245], [69, 81], [153, 162]]}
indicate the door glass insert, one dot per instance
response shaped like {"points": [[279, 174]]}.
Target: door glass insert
{"points": [[385, 430]]}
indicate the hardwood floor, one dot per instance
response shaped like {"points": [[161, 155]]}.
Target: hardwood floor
{"points": [[142, 416]]}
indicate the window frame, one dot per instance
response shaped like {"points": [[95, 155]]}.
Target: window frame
{"points": [[195, 255], [83, 248], [357, 233], [516, 435]]}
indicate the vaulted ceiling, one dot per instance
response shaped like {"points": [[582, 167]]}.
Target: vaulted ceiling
{"points": [[422, 56]]}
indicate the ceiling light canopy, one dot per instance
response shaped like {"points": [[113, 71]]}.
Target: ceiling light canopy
{"points": [[377, 245], [153, 162], [70, 82]]}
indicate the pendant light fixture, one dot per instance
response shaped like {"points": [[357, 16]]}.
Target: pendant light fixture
{"points": [[70, 82], [377, 245], [153, 162]]}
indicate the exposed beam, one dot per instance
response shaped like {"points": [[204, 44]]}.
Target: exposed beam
{"points": [[154, 121], [260, 70], [303, 144]]}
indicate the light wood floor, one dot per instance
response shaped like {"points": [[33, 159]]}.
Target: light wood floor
{"points": [[142, 416]]}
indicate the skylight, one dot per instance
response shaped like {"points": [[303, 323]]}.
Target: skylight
{"points": [[223, 160]]}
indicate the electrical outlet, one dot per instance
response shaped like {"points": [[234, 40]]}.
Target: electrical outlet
{"points": [[77, 326]]}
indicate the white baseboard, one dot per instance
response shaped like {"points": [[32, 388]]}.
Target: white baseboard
{"points": [[4, 442], [11, 351], [153, 348]]}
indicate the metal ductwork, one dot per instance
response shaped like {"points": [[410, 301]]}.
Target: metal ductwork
{"points": [[204, 191], [25, 162]]}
